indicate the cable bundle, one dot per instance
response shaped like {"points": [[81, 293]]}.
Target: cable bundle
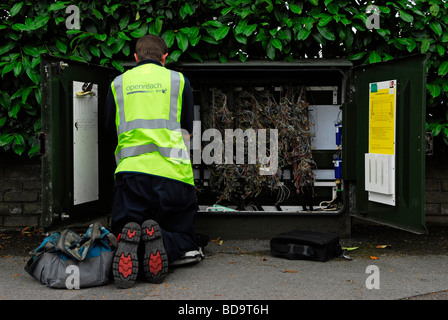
{"points": [[241, 183]]}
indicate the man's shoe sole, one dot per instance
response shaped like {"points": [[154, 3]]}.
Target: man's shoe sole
{"points": [[125, 263], [155, 260]]}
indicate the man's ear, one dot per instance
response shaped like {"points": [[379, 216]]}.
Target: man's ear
{"points": [[164, 58], [136, 58]]}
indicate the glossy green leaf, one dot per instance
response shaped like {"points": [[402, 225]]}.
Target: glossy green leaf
{"points": [[97, 14], [34, 150], [37, 95], [182, 41], [16, 9], [303, 34], [241, 38], [249, 30], [141, 31], [18, 93], [14, 110], [101, 37], [326, 33], [18, 69], [406, 16], [5, 100], [269, 6], [333, 8], [85, 53], [226, 10], [32, 51], [58, 5], [434, 89], [7, 68], [110, 41], [95, 51], [188, 9], [6, 139], [195, 55], [374, 57], [221, 33], [39, 22], [174, 56], [124, 21], [61, 46], [123, 36], [325, 19], [20, 27], [6, 48], [118, 66], [169, 37], [308, 22], [135, 25], [443, 69], [26, 93], [436, 27], [295, 8], [126, 49], [441, 49], [18, 148], [425, 46], [106, 50], [276, 44]]}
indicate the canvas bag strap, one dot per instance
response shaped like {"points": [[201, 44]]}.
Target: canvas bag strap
{"points": [[75, 246]]}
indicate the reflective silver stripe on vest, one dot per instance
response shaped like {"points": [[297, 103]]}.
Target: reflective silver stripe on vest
{"points": [[175, 87], [118, 84], [148, 124], [148, 148], [170, 124]]}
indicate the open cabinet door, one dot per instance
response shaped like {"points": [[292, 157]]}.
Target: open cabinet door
{"points": [[384, 142], [77, 173]]}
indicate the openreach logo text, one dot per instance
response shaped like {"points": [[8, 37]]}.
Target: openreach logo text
{"points": [[146, 86], [221, 147]]}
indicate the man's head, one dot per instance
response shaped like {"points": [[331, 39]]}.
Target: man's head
{"points": [[151, 47]]}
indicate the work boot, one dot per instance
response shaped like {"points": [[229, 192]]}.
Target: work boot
{"points": [[125, 263], [155, 261]]}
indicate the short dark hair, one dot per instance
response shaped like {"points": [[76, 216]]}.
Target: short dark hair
{"points": [[151, 47]]}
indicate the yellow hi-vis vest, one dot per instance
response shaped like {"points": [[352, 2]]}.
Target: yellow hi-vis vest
{"points": [[149, 102]]}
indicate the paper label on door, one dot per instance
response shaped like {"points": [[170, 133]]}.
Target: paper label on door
{"points": [[382, 117]]}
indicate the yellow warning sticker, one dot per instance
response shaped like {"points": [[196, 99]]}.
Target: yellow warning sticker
{"points": [[382, 117]]}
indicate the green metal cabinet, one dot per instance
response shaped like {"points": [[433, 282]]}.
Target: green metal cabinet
{"points": [[77, 173]]}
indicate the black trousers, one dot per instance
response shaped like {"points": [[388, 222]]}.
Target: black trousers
{"points": [[172, 204]]}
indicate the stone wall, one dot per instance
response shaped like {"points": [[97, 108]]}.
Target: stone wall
{"points": [[20, 192], [437, 188]]}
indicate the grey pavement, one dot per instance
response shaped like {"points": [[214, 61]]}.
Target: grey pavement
{"points": [[244, 270]]}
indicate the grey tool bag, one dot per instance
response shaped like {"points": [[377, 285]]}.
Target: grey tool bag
{"points": [[68, 260]]}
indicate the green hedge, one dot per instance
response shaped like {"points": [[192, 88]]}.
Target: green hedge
{"points": [[210, 30]]}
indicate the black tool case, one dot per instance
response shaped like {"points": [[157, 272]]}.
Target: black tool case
{"points": [[306, 245]]}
